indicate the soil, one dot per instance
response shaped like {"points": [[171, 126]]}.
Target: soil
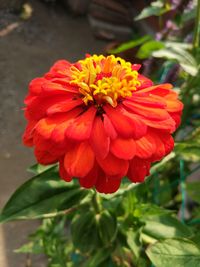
{"points": [[28, 51]]}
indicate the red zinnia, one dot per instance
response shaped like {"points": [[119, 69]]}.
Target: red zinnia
{"points": [[100, 120]]}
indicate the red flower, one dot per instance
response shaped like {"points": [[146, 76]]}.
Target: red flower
{"points": [[100, 120]]}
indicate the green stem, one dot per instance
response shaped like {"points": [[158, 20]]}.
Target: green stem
{"points": [[197, 27], [96, 203]]}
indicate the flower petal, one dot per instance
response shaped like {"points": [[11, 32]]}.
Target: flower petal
{"points": [[112, 165], [37, 108], [60, 69], [126, 123], [108, 127], [176, 116], [148, 100], [58, 134], [62, 171], [80, 128], [164, 144], [64, 106], [144, 82], [174, 105], [168, 124], [99, 140], [138, 170], [28, 133], [44, 157], [168, 141], [123, 148], [52, 88], [35, 86], [146, 111], [90, 179], [145, 146], [60, 65], [107, 185], [79, 160], [161, 89]]}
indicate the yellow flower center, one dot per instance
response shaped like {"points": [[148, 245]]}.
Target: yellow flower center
{"points": [[103, 79]]}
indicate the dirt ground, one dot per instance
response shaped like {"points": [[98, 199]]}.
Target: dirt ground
{"points": [[27, 52]]}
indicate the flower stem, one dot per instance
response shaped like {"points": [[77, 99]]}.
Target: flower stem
{"points": [[197, 27], [96, 203]]}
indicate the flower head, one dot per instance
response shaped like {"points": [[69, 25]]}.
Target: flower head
{"points": [[101, 120]]}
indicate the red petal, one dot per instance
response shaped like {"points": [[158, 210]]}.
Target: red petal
{"points": [[48, 133], [99, 140], [164, 144], [60, 65], [64, 106], [136, 66], [138, 170], [174, 105], [28, 133], [35, 85], [109, 128], [50, 89], [123, 148], [37, 108], [107, 184], [150, 101], [44, 157], [79, 160], [168, 141], [176, 116], [60, 69], [126, 123], [45, 127], [113, 166], [161, 90], [144, 81], [146, 111], [81, 127], [65, 82], [168, 124], [58, 134], [145, 146], [90, 179], [63, 173]]}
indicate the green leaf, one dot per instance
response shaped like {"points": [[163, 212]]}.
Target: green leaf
{"points": [[174, 252], [156, 8], [196, 239], [193, 189], [160, 227], [184, 58], [130, 44], [146, 49], [98, 258], [107, 227], [189, 151], [186, 46], [133, 241], [41, 196], [84, 231], [31, 247], [38, 168], [144, 210]]}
